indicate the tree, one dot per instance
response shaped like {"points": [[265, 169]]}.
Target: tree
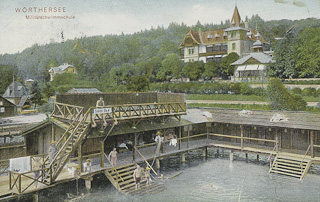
{"points": [[281, 98], [64, 79], [138, 83], [48, 90], [284, 67], [170, 68], [225, 64], [307, 51], [36, 95], [7, 73], [193, 70], [210, 70]]}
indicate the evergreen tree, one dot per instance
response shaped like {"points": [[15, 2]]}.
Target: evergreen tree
{"points": [[36, 95], [281, 98]]}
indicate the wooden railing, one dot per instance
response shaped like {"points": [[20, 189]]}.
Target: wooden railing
{"points": [[130, 111], [66, 111]]}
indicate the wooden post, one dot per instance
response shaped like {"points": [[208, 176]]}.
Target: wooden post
{"points": [[179, 145], [35, 197], [19, 186], [204, 152], [158, 163], [134, 143], [102, 154], [183, 157], [311, 144], [277, 141], [241, 127], [10, 180], [231, 155], [80, 157], [162, 143], [52, 131], [208, 125]]}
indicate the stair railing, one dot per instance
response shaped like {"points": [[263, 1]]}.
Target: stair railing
{"points": [[146, 161], [113, 168], [269, 158], [66, 132], [62, 150], [305, 155]]}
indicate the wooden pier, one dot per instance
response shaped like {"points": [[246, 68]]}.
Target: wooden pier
{"points": [[99, 125]]}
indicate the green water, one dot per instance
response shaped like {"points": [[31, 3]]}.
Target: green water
{"points": [[216, 178]]}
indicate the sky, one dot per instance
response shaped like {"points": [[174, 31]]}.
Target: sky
{"points": [[102, 17]]}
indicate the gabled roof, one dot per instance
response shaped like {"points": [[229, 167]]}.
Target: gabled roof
{"points": [[236, 19], [262, 58], [6, 100], [61, 68], [194, 35], [15, 90]]}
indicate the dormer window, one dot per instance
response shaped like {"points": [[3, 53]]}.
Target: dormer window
{"points": [[209, 37], [225, 35], [217, 35]]}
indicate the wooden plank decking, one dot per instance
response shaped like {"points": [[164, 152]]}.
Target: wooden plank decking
{"points": [[125, 158]]}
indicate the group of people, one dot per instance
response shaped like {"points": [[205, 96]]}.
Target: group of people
{"points": [[173, 140], [138, 173]]}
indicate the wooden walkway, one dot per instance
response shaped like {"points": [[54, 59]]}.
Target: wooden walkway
{"points": [[148, 152]]}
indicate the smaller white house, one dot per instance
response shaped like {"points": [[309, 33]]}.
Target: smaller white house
{"points": [[251, 67]]}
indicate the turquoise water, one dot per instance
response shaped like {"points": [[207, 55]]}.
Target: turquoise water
{"points": [[219, 179]]}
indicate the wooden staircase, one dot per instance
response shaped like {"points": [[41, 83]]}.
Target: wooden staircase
{"points": [[122, 179], [67, 145], [290, 165]]}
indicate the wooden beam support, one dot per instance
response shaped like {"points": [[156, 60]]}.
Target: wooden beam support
{"points": [[277, 140], [311, 144], [134, 143], [102, 154], [241, 127], [179, 144], [80, 157]]}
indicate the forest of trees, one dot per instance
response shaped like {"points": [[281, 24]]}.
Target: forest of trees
{"points": [[131, 62]]}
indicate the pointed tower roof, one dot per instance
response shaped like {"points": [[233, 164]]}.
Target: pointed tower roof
{"points": [[236, 19]]}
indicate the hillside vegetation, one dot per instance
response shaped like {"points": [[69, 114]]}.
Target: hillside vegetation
{"points": [[132, 62]]}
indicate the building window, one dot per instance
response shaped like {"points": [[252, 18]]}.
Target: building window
{"points": [[233, 34], [233, 46], [217, 47], [224, 47], [1, 103], [209, 49], [191, 51], [2, 110]]}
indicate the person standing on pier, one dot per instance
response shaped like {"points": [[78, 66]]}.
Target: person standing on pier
{"points": [[113, 157], [87, 166], [53, 149], [137, 176]]}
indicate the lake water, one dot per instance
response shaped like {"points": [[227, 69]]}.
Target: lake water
{"points": [[216, 178]]}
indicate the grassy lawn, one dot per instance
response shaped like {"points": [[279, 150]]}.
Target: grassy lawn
{"points": [[239, 97], [246, 107]]}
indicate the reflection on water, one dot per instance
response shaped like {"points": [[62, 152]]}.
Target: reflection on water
{"points": [[218, 179]]}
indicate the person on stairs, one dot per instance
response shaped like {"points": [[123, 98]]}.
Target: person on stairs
{"points": [[137, 176], [147, 176], [53, 149]]}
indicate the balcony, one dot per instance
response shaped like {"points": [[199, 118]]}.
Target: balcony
{"points": [[223, 52]]}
